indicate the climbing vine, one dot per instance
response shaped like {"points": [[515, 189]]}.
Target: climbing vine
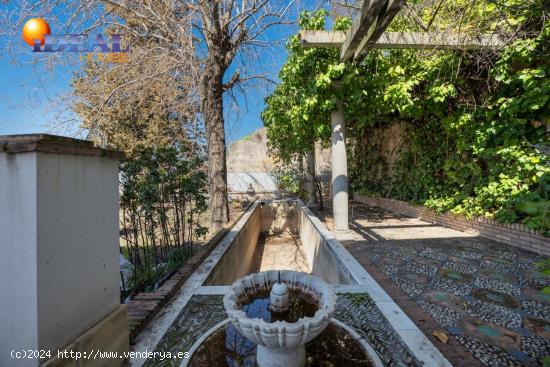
{"points": [[300, 106], [474, 124]]}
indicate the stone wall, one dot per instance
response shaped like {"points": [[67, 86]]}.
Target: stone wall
{"points": [[323, 167], [517, 235], [388, 141]]}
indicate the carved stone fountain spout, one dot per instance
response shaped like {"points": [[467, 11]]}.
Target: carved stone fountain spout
{"points": [[280, 343]]}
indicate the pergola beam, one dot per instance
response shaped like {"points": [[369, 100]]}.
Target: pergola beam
{"points": [[312, 39], [409, 40], [440, 41], [382, 21], [370, 10]]}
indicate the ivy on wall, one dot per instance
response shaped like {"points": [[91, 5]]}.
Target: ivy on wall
{"points": [[475, 122]]}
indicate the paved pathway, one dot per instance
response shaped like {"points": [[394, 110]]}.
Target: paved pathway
{"points": [[485, 296]]}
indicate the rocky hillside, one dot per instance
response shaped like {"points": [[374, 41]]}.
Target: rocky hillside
{"points": [[249, 154], [248, 162]]}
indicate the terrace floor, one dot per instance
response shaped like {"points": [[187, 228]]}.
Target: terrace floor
{"points": [[484, 296]]}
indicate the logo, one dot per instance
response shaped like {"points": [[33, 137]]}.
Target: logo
{"points": [[35, 30], [37, 33]]}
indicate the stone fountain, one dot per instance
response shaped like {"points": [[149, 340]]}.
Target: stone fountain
{"points": [[280, 343]]}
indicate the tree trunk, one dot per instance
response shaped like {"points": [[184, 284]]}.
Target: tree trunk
{"points": [[212, 110]]}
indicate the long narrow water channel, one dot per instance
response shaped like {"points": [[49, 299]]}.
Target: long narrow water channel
{"points": [[282, 251]]}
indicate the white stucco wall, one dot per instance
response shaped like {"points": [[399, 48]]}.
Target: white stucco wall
{"points": [[78, 254], [59, 269], [19, 298]]}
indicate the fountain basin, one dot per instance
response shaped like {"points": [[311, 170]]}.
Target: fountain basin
{"points": [[280, 343], [337, 345]]}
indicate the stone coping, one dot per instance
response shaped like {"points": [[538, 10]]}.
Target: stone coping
{"points": [[47, 143]]}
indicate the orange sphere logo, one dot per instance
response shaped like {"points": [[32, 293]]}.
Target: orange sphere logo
{"points": [[35, 29]]}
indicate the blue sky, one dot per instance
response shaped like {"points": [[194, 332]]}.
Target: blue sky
{"points": [[28, 100], [26, 105]]}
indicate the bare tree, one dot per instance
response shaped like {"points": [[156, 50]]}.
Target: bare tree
{"points": [[226, 27], [191, 43]]}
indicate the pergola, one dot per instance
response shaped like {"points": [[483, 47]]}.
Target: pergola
{"points": [[368, 32]]}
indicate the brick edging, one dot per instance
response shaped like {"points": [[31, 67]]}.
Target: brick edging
{"points": [[146, 305], [515, 234]]}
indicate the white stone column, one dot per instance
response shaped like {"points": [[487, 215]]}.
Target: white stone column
{"points": [[59, 268], [339, 170], [310, 167]]}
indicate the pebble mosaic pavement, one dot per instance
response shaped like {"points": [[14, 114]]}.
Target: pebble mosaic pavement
{"points": [[356, 310], [485, 294]]}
